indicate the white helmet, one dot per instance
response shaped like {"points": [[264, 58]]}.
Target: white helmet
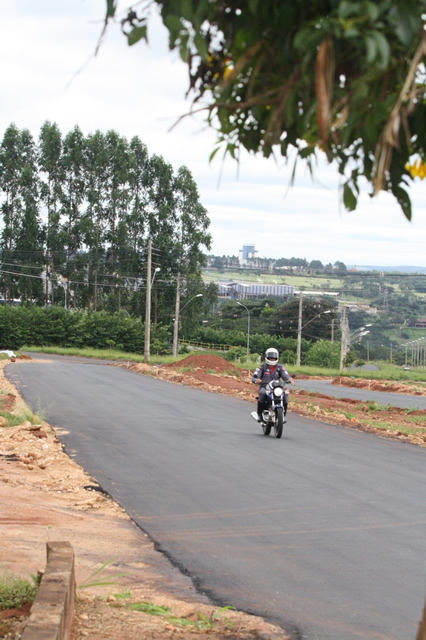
{"points": [[271, 356]]}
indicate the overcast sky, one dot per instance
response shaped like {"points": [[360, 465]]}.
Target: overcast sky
{"points": [[49, 73]]}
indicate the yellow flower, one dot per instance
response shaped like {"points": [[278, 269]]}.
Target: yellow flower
{"points": [[227, 71], [417, 169]]}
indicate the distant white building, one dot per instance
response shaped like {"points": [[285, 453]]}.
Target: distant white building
{"points": [[240, 290], [248, 252]]}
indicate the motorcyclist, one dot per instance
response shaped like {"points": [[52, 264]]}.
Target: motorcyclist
{"points": [[269, 370]]}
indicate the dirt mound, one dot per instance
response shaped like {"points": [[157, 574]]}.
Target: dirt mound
{"points": [[206, 362], [7, 402]]}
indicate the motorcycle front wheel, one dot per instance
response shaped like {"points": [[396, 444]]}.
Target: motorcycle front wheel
{"points": [[279, 421], [266, 429]]}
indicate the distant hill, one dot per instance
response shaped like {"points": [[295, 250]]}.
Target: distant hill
{"points": [[399, 269]]}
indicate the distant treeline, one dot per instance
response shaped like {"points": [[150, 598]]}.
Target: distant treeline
{"points": [[233, 262]]}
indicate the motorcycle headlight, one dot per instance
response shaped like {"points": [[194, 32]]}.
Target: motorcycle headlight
{"points": [[278, 392]]}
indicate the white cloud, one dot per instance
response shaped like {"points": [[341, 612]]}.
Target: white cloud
{"points": [[140, 91]]}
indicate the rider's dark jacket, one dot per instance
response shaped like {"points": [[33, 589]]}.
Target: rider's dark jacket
{"points": [[266, 375]]}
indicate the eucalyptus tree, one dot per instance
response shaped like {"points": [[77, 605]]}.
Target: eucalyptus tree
{"points": [[73, 178], [11, 163], [50, 150], [161, 221], [29, 236], [192, 223], [139, 196], [133, 228], [192, 236], [95, 222], [117, 192]]}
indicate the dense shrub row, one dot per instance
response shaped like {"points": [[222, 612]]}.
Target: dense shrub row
{"points": [[55, 326], [258, 342]]}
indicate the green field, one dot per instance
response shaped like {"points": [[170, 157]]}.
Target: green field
{"points": [[322, 284], [307, 282]]}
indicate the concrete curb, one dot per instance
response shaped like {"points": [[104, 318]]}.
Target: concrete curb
{"points": [[51, 615]]}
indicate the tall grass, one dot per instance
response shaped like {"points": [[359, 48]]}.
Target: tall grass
{"points": [[105, 354]]}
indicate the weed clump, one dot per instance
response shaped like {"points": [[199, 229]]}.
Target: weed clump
{"points": [[15, 592]]}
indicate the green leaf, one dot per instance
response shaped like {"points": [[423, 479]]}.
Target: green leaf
{"points": [[213, 153], [110, 8], [371, 46], [200, 44], [403, 200], [347, 9], [183, 48], [349, 199], [136, 34], [353, 32], [231, 149], [186, 9], [405, 20], [306, 152], [373, 11], [383, 48], [174, 25], [253, 6]]}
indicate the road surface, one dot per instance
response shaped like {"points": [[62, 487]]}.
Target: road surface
{"points": [[402, 400], [322, 532]]}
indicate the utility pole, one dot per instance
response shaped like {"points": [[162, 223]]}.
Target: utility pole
{"points": [[299, 330], [177, 311], [248, 327], [148, 305], [343, 340], [47, 278]]}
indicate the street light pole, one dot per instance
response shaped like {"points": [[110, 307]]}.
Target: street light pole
{"points": [[300, 329], [248, 327], [149, 283], [348, 338], [148, 305], [178, 311]]}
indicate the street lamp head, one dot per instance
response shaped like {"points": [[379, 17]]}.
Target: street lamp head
{"points": [[157, 269], [199, 295]]}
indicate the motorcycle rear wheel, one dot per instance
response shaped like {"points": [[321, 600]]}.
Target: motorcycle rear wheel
{"points": [[279, 422], [266, 429]]}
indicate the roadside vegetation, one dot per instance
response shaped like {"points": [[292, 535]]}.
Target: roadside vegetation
{"points": [[16, 592]]}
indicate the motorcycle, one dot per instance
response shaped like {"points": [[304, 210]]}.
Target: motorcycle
{"points": [[273, 416]]}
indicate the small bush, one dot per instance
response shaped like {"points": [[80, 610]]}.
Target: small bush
{"points": [[234, 354], [15, 592]]}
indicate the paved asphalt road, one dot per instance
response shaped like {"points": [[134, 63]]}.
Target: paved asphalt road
{"points": [[322, 532]]}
